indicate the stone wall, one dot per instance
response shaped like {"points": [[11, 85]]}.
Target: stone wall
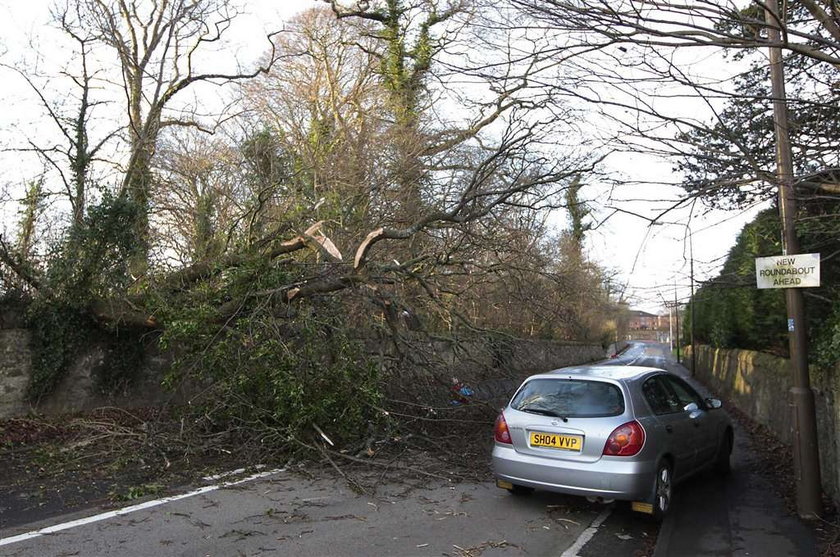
{"points": [[491, 358], [15, 366], [77, 390], [759, 384], [493, 367]]}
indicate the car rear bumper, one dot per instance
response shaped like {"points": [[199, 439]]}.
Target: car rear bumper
{"points": [[609, 477]]}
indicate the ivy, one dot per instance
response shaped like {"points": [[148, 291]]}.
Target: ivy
{"points": [[125, 353], [91, 264], [826, 347], [58, 331]]}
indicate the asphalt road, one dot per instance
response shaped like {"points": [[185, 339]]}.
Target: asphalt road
{"points": [[291, 513], [283, 513], [646, 354]]}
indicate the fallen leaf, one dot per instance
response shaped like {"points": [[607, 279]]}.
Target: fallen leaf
{"points": [[624, 537]]}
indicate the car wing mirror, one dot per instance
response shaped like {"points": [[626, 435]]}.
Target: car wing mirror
{"points": [[713, 403]]}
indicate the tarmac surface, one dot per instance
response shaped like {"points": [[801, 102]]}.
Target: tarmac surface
{"points": [[297, 513]]}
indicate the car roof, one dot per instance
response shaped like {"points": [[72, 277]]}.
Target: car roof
{"points": [[616, 373]]}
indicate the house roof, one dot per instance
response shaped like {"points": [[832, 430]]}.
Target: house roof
{"points": [[640, 313]]}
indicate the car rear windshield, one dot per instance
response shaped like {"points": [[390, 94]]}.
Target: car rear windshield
{"points": [[569, 398]]}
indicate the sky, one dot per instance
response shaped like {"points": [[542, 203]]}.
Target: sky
{"points": [[652, 263]]}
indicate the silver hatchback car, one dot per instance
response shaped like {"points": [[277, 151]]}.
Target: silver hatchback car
{"points": [[609, 432]]}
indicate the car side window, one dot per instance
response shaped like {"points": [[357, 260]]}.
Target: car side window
{"points": [[661, 401], [684, 393]]}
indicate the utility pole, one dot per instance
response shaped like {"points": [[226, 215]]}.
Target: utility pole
{"points": [[677, 314], [806, 462], [693, 304], [671, 328]]}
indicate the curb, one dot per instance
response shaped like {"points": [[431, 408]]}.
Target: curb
{"points": [[663, 539]]}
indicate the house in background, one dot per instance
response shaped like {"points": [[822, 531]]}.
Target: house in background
{"points": [[642, 325], [642, 320]]}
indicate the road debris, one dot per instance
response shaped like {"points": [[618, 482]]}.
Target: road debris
{"points": [[624, 537], [477, 550]]}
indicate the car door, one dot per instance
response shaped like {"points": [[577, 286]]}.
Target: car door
{"points": [[673, 431], [703, 427]]}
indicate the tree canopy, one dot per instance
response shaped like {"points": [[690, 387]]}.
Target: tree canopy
{"points": [[333, 200]]}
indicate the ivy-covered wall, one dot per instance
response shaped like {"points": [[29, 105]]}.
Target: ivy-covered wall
{"points": [[80, 388], [491, 367]]}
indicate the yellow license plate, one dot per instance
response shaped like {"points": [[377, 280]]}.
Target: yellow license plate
{"points": [[572, 443], [638, 506]]}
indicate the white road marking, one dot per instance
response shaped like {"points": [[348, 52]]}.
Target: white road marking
{"points": [[587, 534], [131, 509], [590, 532]]}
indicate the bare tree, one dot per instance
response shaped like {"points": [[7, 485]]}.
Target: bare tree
{"points": [[71, 158], [635, 62], [411, 36], [348, 161], [323, 110], [159, 46], [194, 195], [17, 269], [80, 139], [695, 24], [484, 179]]}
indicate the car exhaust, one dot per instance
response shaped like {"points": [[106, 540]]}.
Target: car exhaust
{"points": [[600, 500]]}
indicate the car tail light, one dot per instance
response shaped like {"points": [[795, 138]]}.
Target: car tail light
{"points": [[501, 431], [625, 440]]}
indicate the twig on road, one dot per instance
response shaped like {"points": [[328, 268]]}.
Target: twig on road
{"points": [[353, 483]]}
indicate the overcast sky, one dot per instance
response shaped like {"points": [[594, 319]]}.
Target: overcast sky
{"points": [[650, 261]]}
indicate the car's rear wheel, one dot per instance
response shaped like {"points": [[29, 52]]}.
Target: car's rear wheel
{"points": [[722, 464], [521, 490], [663, 488]]}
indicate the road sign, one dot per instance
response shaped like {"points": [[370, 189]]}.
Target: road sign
{"points": [[788, 271]]}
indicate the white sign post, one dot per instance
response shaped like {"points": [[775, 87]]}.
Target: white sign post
{"points": [[788, 271]]}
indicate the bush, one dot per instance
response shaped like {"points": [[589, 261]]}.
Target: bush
{"points": [[272, 372]]}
